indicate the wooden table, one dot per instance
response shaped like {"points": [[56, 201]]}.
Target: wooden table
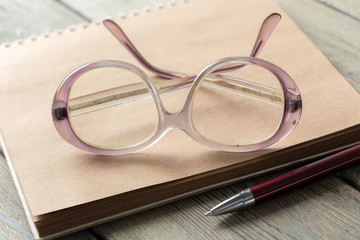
{"points": [[326, 209]]}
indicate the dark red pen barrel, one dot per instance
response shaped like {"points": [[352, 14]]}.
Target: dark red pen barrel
{"points": [[308, 173]]}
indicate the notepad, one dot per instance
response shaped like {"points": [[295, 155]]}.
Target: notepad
{"points": [[64, 189]]}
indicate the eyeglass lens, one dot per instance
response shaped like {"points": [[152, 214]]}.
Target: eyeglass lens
{"points": [[239, 107], [105, 111]]}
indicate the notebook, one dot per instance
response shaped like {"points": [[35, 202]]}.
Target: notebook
{"points": [[64, 189]]}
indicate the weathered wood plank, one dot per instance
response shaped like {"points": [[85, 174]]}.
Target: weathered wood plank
{"points": [[347, 7], [83, 235], [23, 19], [351, 176], [99, 10], [326, 209], [13, 223]]}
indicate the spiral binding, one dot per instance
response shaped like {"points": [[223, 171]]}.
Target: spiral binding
{"points": [[97, 22]]}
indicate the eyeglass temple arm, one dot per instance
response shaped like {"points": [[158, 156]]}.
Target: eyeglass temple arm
{"points": [[125, 41], [267, 27], [265, 31]]}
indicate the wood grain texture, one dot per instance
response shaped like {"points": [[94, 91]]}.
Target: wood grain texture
{"points": [[13, 223], [351, 176], [327, 209], [23, 19], [350, 8]]}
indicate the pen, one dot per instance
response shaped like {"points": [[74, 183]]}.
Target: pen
{"points": [[267, 190]]}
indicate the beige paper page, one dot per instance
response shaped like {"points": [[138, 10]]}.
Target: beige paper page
{"points": [[54, 175]]}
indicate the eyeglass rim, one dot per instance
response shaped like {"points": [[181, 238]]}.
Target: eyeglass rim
{"points": [[182, 119], [292, 105]]}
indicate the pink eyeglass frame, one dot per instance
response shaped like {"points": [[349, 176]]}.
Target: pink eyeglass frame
{"points": [[182, 119]]}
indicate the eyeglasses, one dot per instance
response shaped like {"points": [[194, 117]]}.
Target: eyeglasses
{"points": [[235, 104]]}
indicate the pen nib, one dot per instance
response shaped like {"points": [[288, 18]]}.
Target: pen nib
{"points": [[209, 213]]}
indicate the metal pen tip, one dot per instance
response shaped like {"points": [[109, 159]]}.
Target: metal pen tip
{"points": [[209, 213]]}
